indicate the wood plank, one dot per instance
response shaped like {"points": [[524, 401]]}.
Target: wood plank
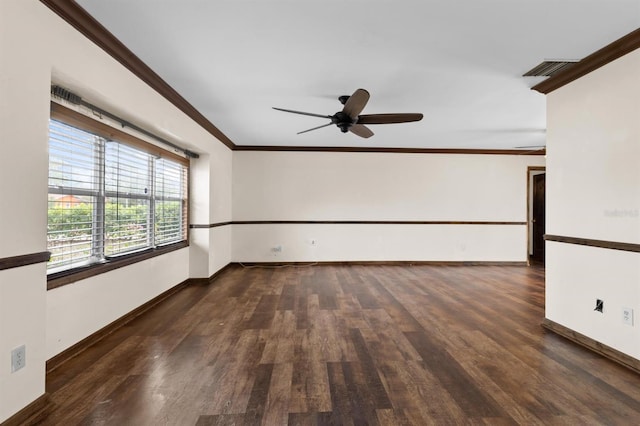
{"points": [[259, 393], [370, 372], [310, 383], [263, 313], [363, 401], [277, 407], [287, 298], [341, 404]]}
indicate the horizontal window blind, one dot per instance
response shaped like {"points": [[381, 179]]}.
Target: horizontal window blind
{"points": [[73, 199], [128, 190], [170, 201], [108, 198]]}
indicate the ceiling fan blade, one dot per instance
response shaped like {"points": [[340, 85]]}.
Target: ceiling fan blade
{"points": [[302, 113], [356, 103], [315, 128], [360, 130], [388, 118]]}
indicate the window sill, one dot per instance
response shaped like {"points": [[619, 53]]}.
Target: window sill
{"points": [[63, 278]]}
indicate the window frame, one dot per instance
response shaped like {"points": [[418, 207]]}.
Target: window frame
{"points": [[75, 119]]}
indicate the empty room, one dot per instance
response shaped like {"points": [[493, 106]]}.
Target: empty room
{"points": [[319, 213]]}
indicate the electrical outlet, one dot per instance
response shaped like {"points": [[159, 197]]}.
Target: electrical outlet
{"points": [[18, 358], [627, 316]]}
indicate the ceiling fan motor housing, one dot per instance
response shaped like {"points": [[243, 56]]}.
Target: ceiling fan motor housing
{"points": [[343, 121]]}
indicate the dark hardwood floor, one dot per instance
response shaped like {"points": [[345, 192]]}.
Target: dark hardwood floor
{"points": [[346, 345]]}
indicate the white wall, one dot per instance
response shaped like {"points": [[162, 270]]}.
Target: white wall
{"points": [[593, 191], [76, 310], [211, 204], [315, 186], [23, 222], [36, 49], [22, 319]]}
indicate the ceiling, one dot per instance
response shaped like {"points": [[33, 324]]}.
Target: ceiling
{"points": [[459, 62]]}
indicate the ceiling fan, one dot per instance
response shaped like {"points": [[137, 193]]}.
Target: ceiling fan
{"points": [[350, 120]]}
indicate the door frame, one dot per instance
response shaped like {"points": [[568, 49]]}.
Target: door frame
{"points": [[530, 172]]}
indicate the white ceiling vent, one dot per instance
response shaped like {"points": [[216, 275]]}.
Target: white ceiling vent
{"points": [[549, 68]]}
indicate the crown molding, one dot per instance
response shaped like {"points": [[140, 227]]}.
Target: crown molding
{"points": [[388, 150]]}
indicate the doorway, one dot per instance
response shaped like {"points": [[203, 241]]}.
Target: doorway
{"points": [[536, 188]]}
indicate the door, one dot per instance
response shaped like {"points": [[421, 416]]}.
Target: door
{"points": [[538, 218]]}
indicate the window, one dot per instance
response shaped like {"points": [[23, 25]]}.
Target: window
{"points": [[110, 195]]}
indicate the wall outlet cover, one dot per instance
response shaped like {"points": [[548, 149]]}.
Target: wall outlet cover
{"points": [[18, 358]]}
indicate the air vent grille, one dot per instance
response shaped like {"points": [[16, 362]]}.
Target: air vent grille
{"points": [[548, 68]]}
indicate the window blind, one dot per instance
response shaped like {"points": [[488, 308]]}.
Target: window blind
{"points": [[128, 189], [74, 216], [108, 198], [170, 201]]}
